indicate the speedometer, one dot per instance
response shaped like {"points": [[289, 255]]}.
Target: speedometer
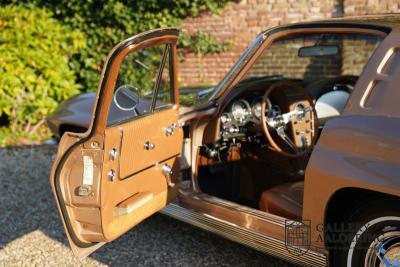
{"points": [[240, 110], [256, 107]]}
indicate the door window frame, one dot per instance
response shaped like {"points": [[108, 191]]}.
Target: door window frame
{"points": [[110, 73], [167, 51]]}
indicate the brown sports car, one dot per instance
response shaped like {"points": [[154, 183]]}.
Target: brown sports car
{"points": [[295, 153]]}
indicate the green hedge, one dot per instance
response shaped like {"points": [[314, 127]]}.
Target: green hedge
{"points": [[50, 50], [35, 74], [107, 22]]}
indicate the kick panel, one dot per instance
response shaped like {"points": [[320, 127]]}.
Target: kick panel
{"points": [[126, 202]]}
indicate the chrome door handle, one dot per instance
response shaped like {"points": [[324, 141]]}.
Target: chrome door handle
{"points": [[167, 171], [149, 145]]}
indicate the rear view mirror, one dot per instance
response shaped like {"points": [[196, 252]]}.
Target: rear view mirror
{"points": [[316, 51], [126, 97]]}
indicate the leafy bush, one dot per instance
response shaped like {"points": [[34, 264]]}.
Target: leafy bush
{"points": [[201, 43], [107, 22], [34, 72], [47, 48]]}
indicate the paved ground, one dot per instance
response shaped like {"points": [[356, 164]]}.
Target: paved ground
{"points": [[31, 232]]}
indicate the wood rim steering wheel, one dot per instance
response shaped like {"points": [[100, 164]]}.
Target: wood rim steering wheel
{"points": [[279, 122]]}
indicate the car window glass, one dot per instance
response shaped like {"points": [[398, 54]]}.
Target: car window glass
{"points": [[142, 74], [283, 57]]}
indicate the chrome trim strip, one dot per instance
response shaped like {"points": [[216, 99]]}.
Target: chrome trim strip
{"points": [[271, 218], [243, 236], [385, 60], [367, 93]]}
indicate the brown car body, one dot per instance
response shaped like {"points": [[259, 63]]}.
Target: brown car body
{"points": [[356, 158]]}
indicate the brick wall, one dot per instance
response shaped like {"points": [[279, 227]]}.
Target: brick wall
{"points": [[355, 54], [281, 58], [363, 7], [241, 21]]}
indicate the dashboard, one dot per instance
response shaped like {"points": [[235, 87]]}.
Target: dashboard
{"points": [[242, 117], [287, 108]]}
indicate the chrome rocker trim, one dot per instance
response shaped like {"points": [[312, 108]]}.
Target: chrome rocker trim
{"points": [[243, 236]]}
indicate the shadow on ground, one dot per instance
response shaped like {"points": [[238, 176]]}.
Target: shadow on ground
{"points": [[31, 231]]}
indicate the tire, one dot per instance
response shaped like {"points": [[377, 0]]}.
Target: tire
{"points": [[376, 226]]}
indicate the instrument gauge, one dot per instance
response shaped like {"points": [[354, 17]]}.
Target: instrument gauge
{"points": [[240, 110], [225, 118], [256, 107]]}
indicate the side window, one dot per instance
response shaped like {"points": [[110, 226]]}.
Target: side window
{"points": [[144, 84]]}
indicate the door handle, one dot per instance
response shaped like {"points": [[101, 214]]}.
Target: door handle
{"points": [[167, 171], [149, 146]]}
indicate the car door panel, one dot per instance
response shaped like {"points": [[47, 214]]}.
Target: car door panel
{"points": [[139, 171], [148, 130], [101, 195]]}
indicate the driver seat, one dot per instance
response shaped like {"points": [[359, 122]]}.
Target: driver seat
{"points": [[285, 200]]}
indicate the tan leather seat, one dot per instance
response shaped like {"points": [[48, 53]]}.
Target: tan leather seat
{"points": [[285, 200]]}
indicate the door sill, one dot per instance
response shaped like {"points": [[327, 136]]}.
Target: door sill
{"points": [[248, 237], [239, 208]]}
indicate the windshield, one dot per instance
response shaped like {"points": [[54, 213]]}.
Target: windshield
{"points": [[250, 50], [315, 56], [345, 54]]}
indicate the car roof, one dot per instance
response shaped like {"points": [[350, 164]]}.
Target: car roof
{"points": [[384, 22]]}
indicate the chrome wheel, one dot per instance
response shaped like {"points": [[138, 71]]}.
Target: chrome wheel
{"points": [[376, 244], [384, 251]]}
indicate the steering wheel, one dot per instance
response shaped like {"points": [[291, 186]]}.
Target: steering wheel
{"points": [[279, 122]]}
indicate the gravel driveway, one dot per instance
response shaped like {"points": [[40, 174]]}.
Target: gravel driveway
{"points": [[31, 232]]}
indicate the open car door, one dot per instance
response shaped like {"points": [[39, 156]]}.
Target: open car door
{"points": [[126, 166]]}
